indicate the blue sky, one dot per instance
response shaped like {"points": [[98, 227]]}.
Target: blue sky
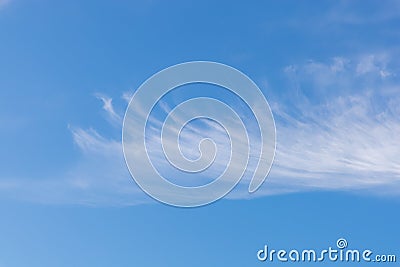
{"points": [[329, 70]]}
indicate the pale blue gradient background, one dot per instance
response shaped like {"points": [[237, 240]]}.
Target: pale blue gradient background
{"points": [[58, 207]]}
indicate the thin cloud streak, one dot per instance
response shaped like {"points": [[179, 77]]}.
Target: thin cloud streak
{"points": [[109, 108], [346, 141], [342, 144], [340, 132]]}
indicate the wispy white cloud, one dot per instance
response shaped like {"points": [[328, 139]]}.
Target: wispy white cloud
{"points": [[338, 132], [90, 141], [99, 177], [108, 108], [127, 96], [346, 141], [373, 64]]}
